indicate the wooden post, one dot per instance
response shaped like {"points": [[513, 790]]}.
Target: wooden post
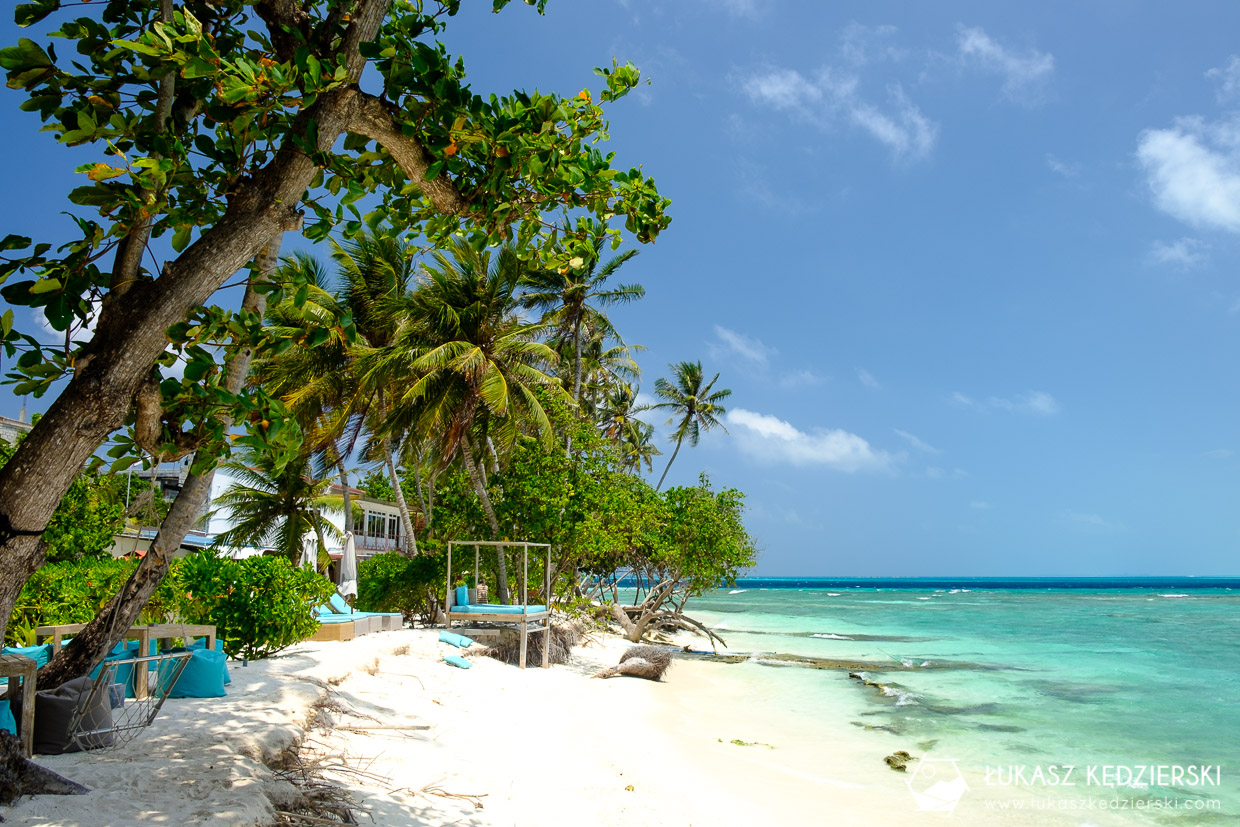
{"points": [[447, 595]]}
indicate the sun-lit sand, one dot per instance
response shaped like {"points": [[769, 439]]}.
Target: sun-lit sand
{"points": [[416, 741]]}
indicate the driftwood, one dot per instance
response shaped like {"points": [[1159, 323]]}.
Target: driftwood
{"points": [[565, 634], [654, 612], [20, 776], [649, 662]]}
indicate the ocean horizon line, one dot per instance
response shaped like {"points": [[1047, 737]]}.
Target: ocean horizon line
{"points": [[996, 582]]}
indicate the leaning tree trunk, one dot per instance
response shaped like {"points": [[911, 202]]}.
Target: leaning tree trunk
{"points": [[669, 464], [475, 477], [397, 491], [130, 335], [90, 646]]}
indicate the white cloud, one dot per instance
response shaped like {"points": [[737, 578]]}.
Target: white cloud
{"points": [[784, 89], [924, 447], [1039, 403], [1062, 168], [833, 97], [746, 347], [801, 379], [1185, 253], [866, 378], [1228, 77], [861, 45], [1024, 74], [771, 439], [1193, 171]]}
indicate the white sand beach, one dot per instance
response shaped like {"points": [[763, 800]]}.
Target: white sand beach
{"points": [[416, 741]]}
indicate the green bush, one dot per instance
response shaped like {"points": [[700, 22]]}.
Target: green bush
{"points": [[258, 606], [74, 592], [392, 582]]}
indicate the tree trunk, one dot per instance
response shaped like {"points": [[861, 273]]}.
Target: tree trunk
{"points": [[130, 334], [397, 491], [348, 498], [90, 646], [669, 464], [501, 566]]}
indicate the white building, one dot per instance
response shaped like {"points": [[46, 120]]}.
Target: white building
{"points": [[377, 526]]}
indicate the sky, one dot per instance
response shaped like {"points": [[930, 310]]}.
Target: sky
{"points": [[968, 268]]}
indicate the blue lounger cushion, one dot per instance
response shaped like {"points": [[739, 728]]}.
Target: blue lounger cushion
{"points": [[40, 654], [339, 605], [337, 618], [458, 661], [496, 609], [456, 640], [462, 595]]}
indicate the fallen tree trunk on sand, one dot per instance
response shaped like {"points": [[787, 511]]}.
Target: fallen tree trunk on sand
{"points": [[20, 776], [651, 615], [649, 662]]}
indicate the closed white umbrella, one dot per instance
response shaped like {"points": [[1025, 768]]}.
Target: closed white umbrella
{"points": [[309, 552], [348, 567]]}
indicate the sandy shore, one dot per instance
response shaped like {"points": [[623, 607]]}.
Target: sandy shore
{"points": [[415, 741]]}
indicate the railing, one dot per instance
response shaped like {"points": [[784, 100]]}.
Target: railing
{"points": [[377, 543]]}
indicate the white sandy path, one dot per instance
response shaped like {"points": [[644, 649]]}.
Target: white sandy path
{"points": [[537, 747]]}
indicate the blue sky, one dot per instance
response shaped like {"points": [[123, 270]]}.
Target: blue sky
{"points": [[968, 268]]}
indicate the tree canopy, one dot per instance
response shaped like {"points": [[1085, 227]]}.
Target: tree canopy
{"points": [[220, 125]]}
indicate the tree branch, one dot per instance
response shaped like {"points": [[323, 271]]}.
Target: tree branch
{"points": [[376, 119]]}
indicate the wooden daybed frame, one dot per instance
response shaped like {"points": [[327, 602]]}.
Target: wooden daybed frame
{"points": [[526, 622]]}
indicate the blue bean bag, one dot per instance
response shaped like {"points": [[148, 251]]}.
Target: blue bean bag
{"points": [[7, 721], [204, 676]]}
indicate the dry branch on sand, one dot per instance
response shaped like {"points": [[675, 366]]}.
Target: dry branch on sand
{"points": [[565, 634], [648, 662]]}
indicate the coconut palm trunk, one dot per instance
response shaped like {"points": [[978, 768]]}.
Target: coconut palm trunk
{"points": [[401, 504], [475, 477], [669, 464]]}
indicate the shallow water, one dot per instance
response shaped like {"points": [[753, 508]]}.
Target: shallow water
{"points": [[1037, 673]]}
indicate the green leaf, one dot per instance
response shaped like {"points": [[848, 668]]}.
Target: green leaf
{"points": [[45, 286], [180, 239]]}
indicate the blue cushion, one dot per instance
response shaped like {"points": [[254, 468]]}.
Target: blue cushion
{"points": [[495, 609], [339, 605], [7, 721], [336, 619], [456, 640], [462, 595], [123, 674], [458, 661], [203, 676], [201, 643], [40, 654]]}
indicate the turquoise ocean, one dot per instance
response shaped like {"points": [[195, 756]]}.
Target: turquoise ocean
{"points": [[1120, 673]]}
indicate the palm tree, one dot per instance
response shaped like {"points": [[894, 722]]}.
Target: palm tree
{"points": [[310, 375], [636, 449], [378, 273], [465, 368], [692, 403], [571, 298], [275, 507]]}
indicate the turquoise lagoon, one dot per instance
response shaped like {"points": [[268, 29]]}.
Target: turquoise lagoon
{"points": [[1118, 674]]}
